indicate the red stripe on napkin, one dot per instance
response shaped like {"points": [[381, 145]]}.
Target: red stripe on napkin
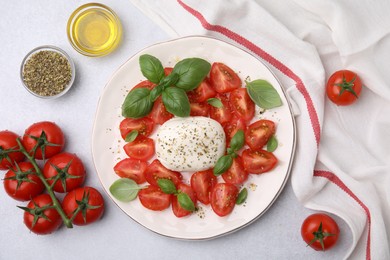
{"points": [[266, 56], [336, 180]]}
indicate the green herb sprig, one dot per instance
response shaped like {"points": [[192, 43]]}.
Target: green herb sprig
{"points": [[185, 76], [168, 187]]}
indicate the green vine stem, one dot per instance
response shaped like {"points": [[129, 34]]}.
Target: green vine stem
{"points": [[56, 203]]}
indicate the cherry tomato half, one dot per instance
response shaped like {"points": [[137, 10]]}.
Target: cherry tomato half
{"points": [[153, 198], [203, 92], [159, 113], [53, 137], [142, 148], [223, 198], [22, 183], [242, 104], [132, 169], [48, 219], [176, 207], [258, 161], [343, 87], [223, 79], [320, 231], [203, 183], [8, 142], [144, 126], [236, 174], [258, 133], [223, 114], [157, 171], [89, 200]]}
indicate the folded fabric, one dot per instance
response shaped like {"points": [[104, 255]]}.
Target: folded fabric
{"points": [[341, 164]]}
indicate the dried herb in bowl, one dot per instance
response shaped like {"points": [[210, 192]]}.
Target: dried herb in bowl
{"points": [[47, 72]]}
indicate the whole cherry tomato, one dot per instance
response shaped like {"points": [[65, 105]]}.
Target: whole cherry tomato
{"points": [[7, 144], [343, 87]]}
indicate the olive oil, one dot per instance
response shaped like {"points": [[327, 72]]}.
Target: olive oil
{"points": [[94, 30]]}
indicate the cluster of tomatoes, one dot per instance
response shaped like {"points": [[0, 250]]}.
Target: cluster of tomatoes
{"points": [[47, 168], [236, 113]]}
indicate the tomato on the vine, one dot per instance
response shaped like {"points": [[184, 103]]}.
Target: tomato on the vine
{"points": [[66, 169], [320, 231], [7, 144], [40, 216], [343, 87], [50, 136], [83, 205], [223, 79], [22, 183]]}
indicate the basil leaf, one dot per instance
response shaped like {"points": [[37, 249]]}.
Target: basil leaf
{"points": [[215, 102], [151, 68], [169, 80], [137, 103], [124, 189], [272, 144], [167, 186], [191, 72], [237, 141], [131, 136], [263, 94], [223, 164], [176, 101], [185, 201], [155, 92], [242, 196]]}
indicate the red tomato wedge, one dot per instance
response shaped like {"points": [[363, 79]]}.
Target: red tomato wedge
{"points": [[142, 148], [223, 79], [223, 114], [157, 171], [159, 113], [236, 174], [200, 109], [258, 133], [154, 199], [232, 127], [258, 161], [203, 92], [168, 70], [177, 209], [223, 198], [132, 169], [242, 104], [202, 183], [145, 84], [143, 125]]}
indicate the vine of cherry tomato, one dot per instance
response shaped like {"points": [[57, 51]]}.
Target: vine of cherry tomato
{"points": [[62, 172]]}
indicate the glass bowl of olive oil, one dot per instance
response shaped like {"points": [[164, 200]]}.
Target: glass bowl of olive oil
{"points": [[94, 30]]}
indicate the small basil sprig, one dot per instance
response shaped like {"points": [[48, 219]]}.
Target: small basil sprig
{"points": [[130, 137], [186, 75], [263, 94], [241, 198], [168, 187], [124, 189], [215, 102], [272, 144], [223, 164]]}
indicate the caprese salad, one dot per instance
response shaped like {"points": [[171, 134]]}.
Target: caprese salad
{"points": [[206, 137]]}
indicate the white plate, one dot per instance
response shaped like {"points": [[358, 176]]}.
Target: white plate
{"points": [[107, 143]]}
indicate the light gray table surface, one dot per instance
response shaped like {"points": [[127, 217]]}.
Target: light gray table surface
{"points": [[26, 24]]}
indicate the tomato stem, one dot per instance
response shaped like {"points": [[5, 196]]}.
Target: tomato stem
{"points": [[49, 188]]}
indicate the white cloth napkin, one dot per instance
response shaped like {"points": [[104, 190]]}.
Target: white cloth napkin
{"points": [[342, 159]]}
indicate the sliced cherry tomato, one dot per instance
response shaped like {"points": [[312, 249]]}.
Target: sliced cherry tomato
{"points": [[90, 202], [177, 209], [199, 109], [320, 231], [131, 168], [44, 221], [242, 104], [203, 92], [236, 174], [143, 125], [157, 171], [53, 139], [168, 70], [223, 198], [343, 87], [142, 148], [154, 199], [22, 183], [66, 169], [203, 183], [159, 113], [258, 161], [223, 114], [8, 143], [223, 79], [232, 127], [258, 133], [145, 84]]}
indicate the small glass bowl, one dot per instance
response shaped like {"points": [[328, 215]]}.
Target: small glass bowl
{"points": [[57, 50], [94, 30]]}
